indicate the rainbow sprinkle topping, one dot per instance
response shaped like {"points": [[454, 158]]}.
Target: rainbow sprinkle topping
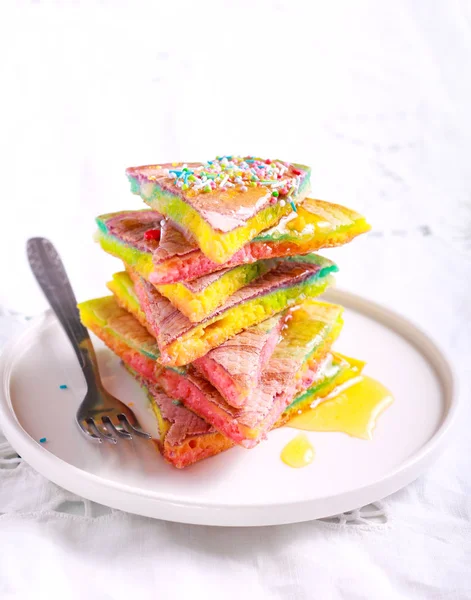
{"points": [[226, 172]]}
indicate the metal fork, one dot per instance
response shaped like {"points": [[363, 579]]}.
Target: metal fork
{"points": [[101, 416]]}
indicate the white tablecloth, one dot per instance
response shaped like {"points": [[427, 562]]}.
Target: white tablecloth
{"points": [[374, 95]]}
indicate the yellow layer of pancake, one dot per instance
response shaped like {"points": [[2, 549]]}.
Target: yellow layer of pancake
{"points": [[197, 306], [139, 261], [217, 246], [200, 339]]}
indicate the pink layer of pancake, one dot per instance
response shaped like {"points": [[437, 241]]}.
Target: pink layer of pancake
{"points": [[192, 263], [234, 367], [258, 415], [184, 423]]}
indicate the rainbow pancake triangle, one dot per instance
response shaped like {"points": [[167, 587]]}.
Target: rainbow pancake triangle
{"points": [[167, 256], [224, 203], [181, 341]]}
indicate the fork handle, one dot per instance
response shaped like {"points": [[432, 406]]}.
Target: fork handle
{"points": [[49, 271]]}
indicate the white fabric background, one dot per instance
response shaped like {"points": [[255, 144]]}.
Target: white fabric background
{"points": [[375, 96]]}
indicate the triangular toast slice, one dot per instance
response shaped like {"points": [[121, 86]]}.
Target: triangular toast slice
{"points": [[182, 342], [133, 236], [224, 203], [166, 256]]}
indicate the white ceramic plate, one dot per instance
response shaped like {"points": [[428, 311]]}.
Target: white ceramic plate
{"points": [[239, 487]]}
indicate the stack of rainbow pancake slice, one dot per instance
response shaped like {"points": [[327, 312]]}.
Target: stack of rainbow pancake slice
{"points": [[215, 312]]}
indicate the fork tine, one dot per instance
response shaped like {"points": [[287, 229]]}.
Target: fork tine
{"points": [[102, 433], [137, 430], [143, 434], [87, 431], [120, 431]]}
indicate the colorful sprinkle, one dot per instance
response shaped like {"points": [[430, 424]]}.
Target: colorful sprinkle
{"points": [[275, 193], [228, 171], [176, 402], [130, 404], [152, 234], [293, 205], [43, 440], [63, 386]]}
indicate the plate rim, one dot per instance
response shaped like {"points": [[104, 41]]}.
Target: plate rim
{"points": [[74, 478]]}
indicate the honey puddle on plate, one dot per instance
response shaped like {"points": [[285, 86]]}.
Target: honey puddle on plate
{"points": [[298, 453], [352, 410]]}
